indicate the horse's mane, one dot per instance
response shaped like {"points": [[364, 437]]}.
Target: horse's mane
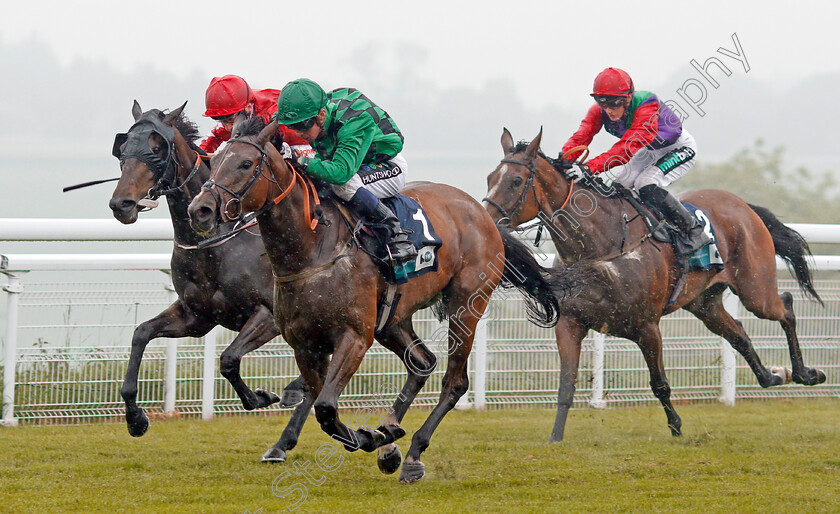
{"points": [[560, 163], [249, 127]]}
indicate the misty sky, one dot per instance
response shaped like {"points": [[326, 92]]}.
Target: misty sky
{"points": [[550, 50], [451, 73]]}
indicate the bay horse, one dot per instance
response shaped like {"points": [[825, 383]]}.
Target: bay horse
{"points": [[637, 275], [326, 291], [228, 284]]}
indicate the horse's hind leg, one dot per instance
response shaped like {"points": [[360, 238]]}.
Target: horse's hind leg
{"points": [[709, 309], [419, 362], [569, 336], [650, 342], [801, 373], [175, 321], [455, 381]]}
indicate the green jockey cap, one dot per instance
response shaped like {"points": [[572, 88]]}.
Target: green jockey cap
{"points": [[299, 100]]}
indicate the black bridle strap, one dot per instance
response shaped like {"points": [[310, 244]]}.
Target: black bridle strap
{"points": [[186, 180], [529, 183]]}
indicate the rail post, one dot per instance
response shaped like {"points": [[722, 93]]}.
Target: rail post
{"points": [[171, 363], [599, 343], [208, 379], [480, 386], [727, 355], [13, 289]]}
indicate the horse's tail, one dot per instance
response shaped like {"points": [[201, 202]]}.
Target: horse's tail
{"points": [[543, 288], [792, 248]]}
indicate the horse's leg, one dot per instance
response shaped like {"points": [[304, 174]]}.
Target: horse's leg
{"points": [[350, 348], [258, 330], [289, 437], [175, 321], [709, 309], [801, 373], [313, 368], [569, 334], [419, 362], [650, 342], [455, 381]]}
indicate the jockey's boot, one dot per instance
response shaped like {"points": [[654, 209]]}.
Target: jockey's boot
{"points": [[694, 236], [402, 249], [374, 211]]}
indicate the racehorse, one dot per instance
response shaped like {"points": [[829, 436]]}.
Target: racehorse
{"points": [[326, 290], [229, 284], [638, 275]]}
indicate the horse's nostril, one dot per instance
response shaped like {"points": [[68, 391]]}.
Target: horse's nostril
{"points": [[121, 204]]}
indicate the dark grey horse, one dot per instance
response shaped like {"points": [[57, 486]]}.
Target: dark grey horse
{"points": [[229, 284]]}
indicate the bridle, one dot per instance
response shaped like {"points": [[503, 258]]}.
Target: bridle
{"points": [[529, 185], [248, 219], [163, 169], [236, 197]]}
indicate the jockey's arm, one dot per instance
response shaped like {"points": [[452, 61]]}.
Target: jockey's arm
{"points": [[641, 133], [214, 139], [590, 126], [354, 140]]}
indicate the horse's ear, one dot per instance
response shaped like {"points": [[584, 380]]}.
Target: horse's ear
{"points": [[266, 133], [170, 118], [507, 140], [136, 111], [534, 146]]}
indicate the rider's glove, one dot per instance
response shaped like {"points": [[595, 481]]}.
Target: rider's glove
{"points": [[578, 171]]}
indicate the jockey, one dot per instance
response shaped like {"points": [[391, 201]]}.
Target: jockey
{"points": [[358, 151], [654, 149], [228, 96]]}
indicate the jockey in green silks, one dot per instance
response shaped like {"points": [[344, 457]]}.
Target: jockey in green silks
{"points": [[357, 147]]}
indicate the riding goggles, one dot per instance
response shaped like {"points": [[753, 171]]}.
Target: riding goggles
{"points": [[302, 126], [612, 102]]}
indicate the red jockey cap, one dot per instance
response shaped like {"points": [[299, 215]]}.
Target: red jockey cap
{"points": [[227, 95], [612, 82]]}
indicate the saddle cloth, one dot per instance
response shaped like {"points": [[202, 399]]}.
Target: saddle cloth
{"points": [[414, 219], [708, 257]]}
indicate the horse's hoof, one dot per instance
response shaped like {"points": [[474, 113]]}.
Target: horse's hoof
{"points": [[292, 398], [389, 460], [138, 423], [783, 373], [274, 455], [265, 398], [675, 431], [412, 472], [812, 376], [370, 440]]}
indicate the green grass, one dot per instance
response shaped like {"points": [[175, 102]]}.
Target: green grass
{"points": [[758, 456]]}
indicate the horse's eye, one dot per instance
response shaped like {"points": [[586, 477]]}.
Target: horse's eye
{"points": [[517, 181], [246, 165], [156, 149]]}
